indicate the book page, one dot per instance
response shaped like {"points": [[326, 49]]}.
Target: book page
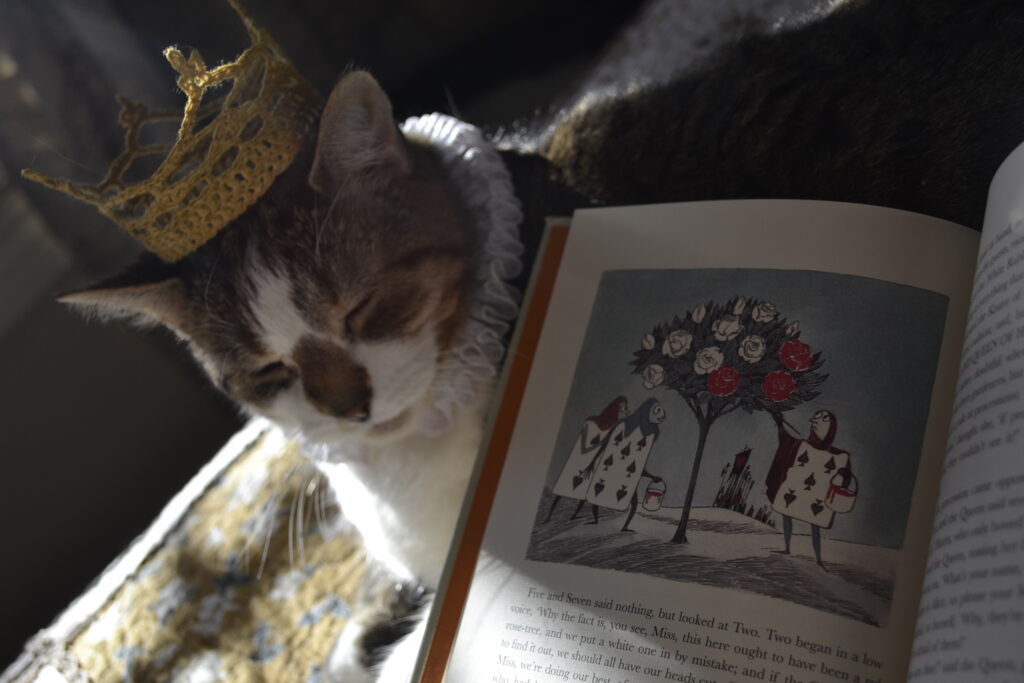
{"points": [[972, 609], [727, 452]]}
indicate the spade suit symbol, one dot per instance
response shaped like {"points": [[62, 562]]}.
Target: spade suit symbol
{"points": [[599, 486], [631, 469], [830, 465], [809, 481], [621, 493], [577, 480], [625, 451], [803, 459], [596, 440], [816, 506], [790, 497], [608, 462], [642, 443], [618, 438]]}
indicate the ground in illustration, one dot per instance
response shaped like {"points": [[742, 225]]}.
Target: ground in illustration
{"points": [[726, 549]]}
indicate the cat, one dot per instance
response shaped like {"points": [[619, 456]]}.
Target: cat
{"points": [[338, 308], [338, 304]]}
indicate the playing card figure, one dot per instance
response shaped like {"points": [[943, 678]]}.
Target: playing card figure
{"points": [[574, 481], [623, 458], [802, 474]]}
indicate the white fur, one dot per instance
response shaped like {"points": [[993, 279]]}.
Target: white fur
{"points": [[403, 495], [281, 322], [401, 372]]}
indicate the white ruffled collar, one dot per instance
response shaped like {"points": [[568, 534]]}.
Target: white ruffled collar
{"points": [[485, 187]]}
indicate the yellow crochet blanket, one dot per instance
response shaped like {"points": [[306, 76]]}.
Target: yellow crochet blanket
{"points": [[243, 585]]}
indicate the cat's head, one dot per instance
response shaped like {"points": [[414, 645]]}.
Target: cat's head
{"points": [[329, 305]]}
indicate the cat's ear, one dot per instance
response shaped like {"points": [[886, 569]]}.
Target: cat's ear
{"points": [[162, 301], [357, 134]]}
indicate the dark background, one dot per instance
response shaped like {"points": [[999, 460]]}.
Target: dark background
{"points": [[101, 424]]}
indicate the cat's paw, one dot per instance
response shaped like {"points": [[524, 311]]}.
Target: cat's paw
{"points": [[381, 645], [348, 661], [400, 663]]}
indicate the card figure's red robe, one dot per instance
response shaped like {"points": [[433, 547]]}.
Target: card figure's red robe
{"points": [[801, 475], [574, 480]]}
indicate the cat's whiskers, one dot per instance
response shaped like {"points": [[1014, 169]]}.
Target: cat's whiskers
{"points": [[291, 531], [269, 515], [300, 527], [319, 505]]}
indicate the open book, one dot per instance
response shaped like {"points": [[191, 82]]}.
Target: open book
{"points": [[754, 441]]}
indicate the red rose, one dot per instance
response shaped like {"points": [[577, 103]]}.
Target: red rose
{"points": [[795, 355], [723, 381], [777, 386]]}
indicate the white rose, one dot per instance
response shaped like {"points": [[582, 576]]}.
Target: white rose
{"points": [[653, 375], [728, 327], [764, 312], [648, 342], [741, 304], [708, 360], [698, 314], [677, 343], [752, 348], [793, 329]]}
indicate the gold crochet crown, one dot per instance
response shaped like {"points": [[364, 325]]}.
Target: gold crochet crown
{"points": [[226, 155]]}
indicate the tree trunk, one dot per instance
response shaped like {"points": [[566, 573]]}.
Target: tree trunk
{"points": [[680, 535]]}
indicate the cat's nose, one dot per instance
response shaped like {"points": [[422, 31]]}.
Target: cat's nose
{"points": [[347, 403], [360, 413]]}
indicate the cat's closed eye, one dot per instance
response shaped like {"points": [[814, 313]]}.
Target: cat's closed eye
{"points": [[258, 384], [356, 318], [397, 309], [266, 381], [274, 372]]}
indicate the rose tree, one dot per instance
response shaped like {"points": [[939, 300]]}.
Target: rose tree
{"points": [[722, 357]]}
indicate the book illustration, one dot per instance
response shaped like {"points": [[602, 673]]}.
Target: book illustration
{"points": [[575, 478], [607, 463], [787, 412], [741, 354], [803, 482], [735, 489]]}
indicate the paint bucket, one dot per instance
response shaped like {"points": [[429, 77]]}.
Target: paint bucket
{"points": [[842, 492], [654, 495]]}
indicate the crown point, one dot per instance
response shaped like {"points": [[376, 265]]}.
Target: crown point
{"points": [[174, 56], [266, 115]]}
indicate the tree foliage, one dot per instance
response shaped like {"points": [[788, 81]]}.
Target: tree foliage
{"points": [[740, 354]]}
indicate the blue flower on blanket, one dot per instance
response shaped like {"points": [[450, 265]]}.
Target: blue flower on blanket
{"points": [[163, 656], [212, 610], [170, 598], [250, 482], [231, 576], [266, 520], [129, 654], [332, 605], [265, 650], [288, 584], [149, 569]]}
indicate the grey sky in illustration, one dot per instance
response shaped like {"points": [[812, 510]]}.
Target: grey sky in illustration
{"points": [[880, 342]]}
